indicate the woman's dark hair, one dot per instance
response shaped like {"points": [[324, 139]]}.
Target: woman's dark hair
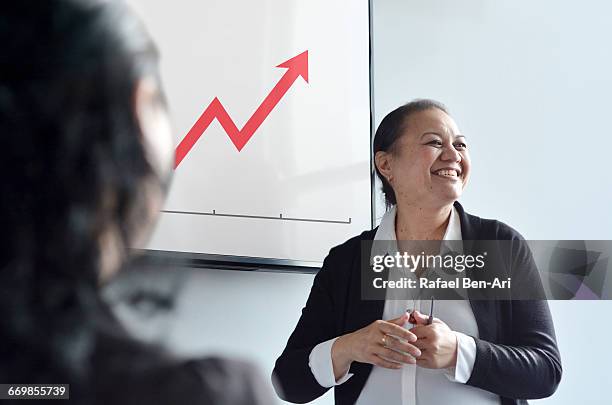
{"points": [[73, 164], [391, 129]]}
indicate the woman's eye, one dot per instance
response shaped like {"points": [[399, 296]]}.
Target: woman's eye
{"points": [[460, 145], [435, 143]]}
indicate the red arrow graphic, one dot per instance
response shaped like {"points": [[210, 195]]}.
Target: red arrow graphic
{"points": [[296, 67]]}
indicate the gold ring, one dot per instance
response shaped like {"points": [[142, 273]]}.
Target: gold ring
{"points": [[384, 340]]}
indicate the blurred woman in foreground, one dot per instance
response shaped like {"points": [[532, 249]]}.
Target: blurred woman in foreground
{"points": [[87, 155]]}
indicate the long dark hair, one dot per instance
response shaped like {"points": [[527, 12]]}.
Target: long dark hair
{"points": [[390, 129], [72, 162]]}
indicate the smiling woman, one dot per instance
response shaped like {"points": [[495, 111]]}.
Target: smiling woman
{"points": [[477, 352], [434, 162]]}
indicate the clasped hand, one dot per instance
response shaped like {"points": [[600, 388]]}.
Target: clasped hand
{"points": [[437, 342], [388, 344]]}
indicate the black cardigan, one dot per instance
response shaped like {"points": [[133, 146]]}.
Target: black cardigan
{"points": [[516, 352]]}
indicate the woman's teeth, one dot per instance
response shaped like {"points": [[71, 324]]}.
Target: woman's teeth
{"points": [[446, 173]]}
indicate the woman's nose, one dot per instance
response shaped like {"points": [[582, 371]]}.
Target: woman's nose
{"points": [[449, 153]]}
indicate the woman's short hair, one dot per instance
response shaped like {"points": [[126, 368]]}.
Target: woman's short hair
{"points": [[72, 163], [391, 128]]}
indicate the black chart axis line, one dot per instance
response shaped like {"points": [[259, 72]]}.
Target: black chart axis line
{"points": [[280, 217]]}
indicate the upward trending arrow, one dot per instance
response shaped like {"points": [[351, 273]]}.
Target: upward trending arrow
{"points": [[296, 67]]}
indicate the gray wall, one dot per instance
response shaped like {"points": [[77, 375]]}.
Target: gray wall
{"points": [[528, 82]]}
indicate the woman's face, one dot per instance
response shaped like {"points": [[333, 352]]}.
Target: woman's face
{"points": [[155, 127], [430, 163], [157, 141], [156, 136]]}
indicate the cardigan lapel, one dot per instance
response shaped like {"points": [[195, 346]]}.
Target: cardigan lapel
{"points": [[485, 311], [364, 312]]}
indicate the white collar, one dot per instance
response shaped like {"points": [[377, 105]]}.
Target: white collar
{"points": [[386, 229], [386, 232]]}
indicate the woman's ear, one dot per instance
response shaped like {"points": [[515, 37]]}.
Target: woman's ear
{"points": [[154, 124], [382, 160]]}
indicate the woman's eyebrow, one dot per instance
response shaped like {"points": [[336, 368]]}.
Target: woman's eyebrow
{"points": [[441, 136], [430, 133]]}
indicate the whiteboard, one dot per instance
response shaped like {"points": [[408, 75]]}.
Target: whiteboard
{"points": [[270, 102]]}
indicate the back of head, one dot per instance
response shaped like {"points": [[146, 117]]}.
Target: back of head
{"points": [[72, 167]]}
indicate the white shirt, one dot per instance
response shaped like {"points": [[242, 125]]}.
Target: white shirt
{"points": [[413, 385]]}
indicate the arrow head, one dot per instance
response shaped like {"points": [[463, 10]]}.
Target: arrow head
{"points": [[298, 64]]}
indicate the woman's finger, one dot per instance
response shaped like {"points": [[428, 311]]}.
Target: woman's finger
{"points": [[403, 346], [420, 319], [396, 330], [422, 345], [422, 331], [400, 320], [380, 362], [393, 355]]}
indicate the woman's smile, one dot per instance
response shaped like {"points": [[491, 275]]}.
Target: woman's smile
{"points": [[448, 174]]}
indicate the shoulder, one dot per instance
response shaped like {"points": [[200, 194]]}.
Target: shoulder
{"points": [[230, 381], [497, 230], [350, 247], [475, 227], [156, 377], [342, 258]]}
